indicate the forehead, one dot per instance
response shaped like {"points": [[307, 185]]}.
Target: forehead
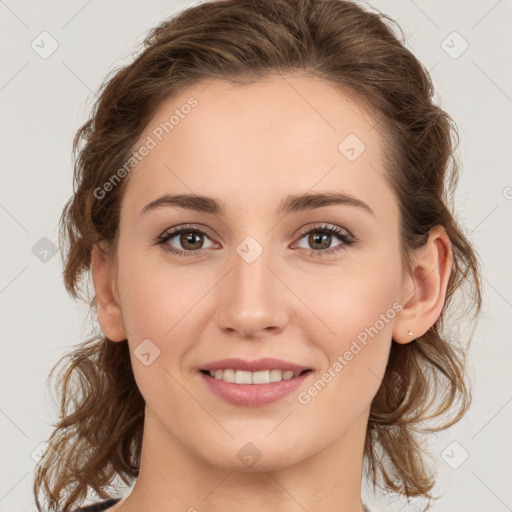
{"points": [[284, 134]]}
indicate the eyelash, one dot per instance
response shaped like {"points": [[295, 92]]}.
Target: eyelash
{"points": [[347, 239]]}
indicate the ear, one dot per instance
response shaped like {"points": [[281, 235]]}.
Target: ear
{"points": [[108, 306], [424, 291]]}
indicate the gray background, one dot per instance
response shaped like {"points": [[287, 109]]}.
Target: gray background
{"points": [[44, 100]]}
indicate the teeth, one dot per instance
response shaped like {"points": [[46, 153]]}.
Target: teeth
{"points": [[262, 377], [245, 377], [228, 375], [275, 375], [242, 377]]}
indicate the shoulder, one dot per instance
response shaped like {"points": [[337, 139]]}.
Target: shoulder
{"points": [[99, 506]]}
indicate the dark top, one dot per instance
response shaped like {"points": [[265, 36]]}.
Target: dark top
{"points": [[100, 505]]}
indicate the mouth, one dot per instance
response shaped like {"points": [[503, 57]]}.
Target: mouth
{"points": [[253, 389], [262, 377]]}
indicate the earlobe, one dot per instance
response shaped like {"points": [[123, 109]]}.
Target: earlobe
{"points": [[107, 302], [424, 291]]}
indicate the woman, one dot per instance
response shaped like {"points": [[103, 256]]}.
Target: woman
{"points": [[262, 202]]}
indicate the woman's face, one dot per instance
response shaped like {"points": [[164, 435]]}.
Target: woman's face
{"points": [[259, 276]]}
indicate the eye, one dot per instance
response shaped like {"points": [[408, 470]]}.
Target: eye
{"points": [[320, 238], [190, 238]]}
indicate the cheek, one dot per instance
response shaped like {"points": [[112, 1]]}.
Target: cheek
{"points": [[158, 310], [156, 298], [352, 297], [162, 304], [357, 308], [361, 315]]}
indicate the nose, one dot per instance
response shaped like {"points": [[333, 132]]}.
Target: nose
{"points": [[253, 301]]}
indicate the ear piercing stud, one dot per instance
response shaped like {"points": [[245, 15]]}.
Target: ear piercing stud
{"points": [[410, 332]]}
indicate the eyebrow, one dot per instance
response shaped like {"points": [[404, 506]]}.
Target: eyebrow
{"points": [[292, 203]]}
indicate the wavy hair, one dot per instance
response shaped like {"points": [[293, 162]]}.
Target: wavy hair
{"points": [[99, 432]]}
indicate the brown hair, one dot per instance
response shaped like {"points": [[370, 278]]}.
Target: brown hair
{"points": [[99, 432]]}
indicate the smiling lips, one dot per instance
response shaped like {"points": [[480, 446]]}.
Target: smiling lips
{"points": [[253, 383]]}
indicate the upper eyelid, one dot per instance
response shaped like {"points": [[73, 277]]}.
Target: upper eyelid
{"points": [[193, 227]]}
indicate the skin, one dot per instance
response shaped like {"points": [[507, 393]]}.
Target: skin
{"points": [[250, 146]]}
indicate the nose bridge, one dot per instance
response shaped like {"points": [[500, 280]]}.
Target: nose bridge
{"points": [[252, 299]]}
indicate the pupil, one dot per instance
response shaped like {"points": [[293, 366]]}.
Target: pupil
{"points": [[188, 238], [319, 238]]}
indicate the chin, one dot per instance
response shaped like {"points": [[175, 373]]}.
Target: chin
{"points": [[254, 456]]}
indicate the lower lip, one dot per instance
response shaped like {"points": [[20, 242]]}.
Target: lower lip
{"points": [[253, 395]]}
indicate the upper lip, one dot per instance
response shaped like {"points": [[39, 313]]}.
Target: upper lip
{"points": [[266, 363]]}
